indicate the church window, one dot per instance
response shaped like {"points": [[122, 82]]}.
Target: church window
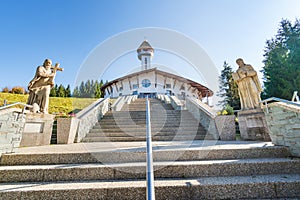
{"points": [[168, 85], [135, 86], [146, 83]]}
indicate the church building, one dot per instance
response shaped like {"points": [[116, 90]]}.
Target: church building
{"points": [[152, 81]]}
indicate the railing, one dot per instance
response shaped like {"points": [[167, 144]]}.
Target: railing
{"points": [[272, 99], [15, 104], [150, 173]]}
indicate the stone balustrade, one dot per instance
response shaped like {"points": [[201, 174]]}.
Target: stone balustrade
{"points": [[90, 116], [205, 115], [176, 103], [283, 121]]}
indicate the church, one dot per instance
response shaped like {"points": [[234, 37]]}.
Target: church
{"points": [[151, 81]]}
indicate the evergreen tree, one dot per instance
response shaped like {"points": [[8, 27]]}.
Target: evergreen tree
{"points": [[61, 91], [53, 91], [97, 90], [228, 89], [89, 89], [68, 91], [82, 90], [76, 92], [282, 62]]}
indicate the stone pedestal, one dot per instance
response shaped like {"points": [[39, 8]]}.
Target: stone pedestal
{"points": [[37, 130], [253, 125]]}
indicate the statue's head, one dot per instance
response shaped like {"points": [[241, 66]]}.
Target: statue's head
{"points": [[240, 62], [47, 62]]}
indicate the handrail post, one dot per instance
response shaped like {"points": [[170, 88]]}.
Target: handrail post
{"points": [[150, 173]]}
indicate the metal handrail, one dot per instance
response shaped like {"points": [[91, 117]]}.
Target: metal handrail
{"points": [[278, 100], [150, 173], [15, 104]]}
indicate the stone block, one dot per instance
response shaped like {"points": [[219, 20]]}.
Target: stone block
{"points": [[226, 127], [38, 130], [253, 125], [66, 130]]}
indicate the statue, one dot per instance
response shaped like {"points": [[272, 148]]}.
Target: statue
{"points": [[39, 87], [248, 85]]}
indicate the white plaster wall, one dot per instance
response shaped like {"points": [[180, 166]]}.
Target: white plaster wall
{"points": [[161, 80]]}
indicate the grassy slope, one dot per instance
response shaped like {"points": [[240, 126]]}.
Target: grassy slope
{"points": [[57, 104]]}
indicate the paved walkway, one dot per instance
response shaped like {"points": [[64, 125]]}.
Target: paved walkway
{"points": [[141, 146]]}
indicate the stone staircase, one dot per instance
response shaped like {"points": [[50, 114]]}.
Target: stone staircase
{"points": [[197, 170], [185, 168], [129, 124]]}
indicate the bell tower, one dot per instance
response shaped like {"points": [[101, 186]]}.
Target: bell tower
{"points": [[145, 54]]}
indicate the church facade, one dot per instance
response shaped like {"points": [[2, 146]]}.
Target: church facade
{"points": [[152, 81]]}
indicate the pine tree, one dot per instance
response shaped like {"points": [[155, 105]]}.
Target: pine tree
{"points": [[228, 90], [282, 62], [53, 91], [68, 91], [89, 89], [76, 92], [61, 91], [97, 91]]}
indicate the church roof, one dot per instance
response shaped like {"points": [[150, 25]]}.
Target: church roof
{"points": [[145, 45], [204, 90]]}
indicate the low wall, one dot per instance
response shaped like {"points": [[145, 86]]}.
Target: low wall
{"points": [[176, 103], [11, 128], [283, 121], [118, 104], [90, 116], [205, 115]]}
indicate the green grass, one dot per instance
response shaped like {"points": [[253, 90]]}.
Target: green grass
{"points": [[57, 104]]}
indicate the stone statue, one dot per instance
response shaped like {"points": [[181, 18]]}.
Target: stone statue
{"points": [[39, 87], [248, 85]]}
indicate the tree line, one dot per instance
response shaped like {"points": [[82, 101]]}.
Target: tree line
{"points": [[281, 70], [87, 89]]}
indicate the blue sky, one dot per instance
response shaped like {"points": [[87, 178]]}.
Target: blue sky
{"points": [[68, 30]]}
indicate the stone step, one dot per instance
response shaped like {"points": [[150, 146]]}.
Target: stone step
{"points": [[173, 169], [174, 137], [153, 119], [278, 186], [184, 151], [142, 112], [153, 129], [142, 134], [142, 128], [133, 125], [158, 112], [142, 121]]}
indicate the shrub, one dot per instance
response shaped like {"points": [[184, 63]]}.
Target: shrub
{"points": [[227, 110], [5, 90], [18, 90]]}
